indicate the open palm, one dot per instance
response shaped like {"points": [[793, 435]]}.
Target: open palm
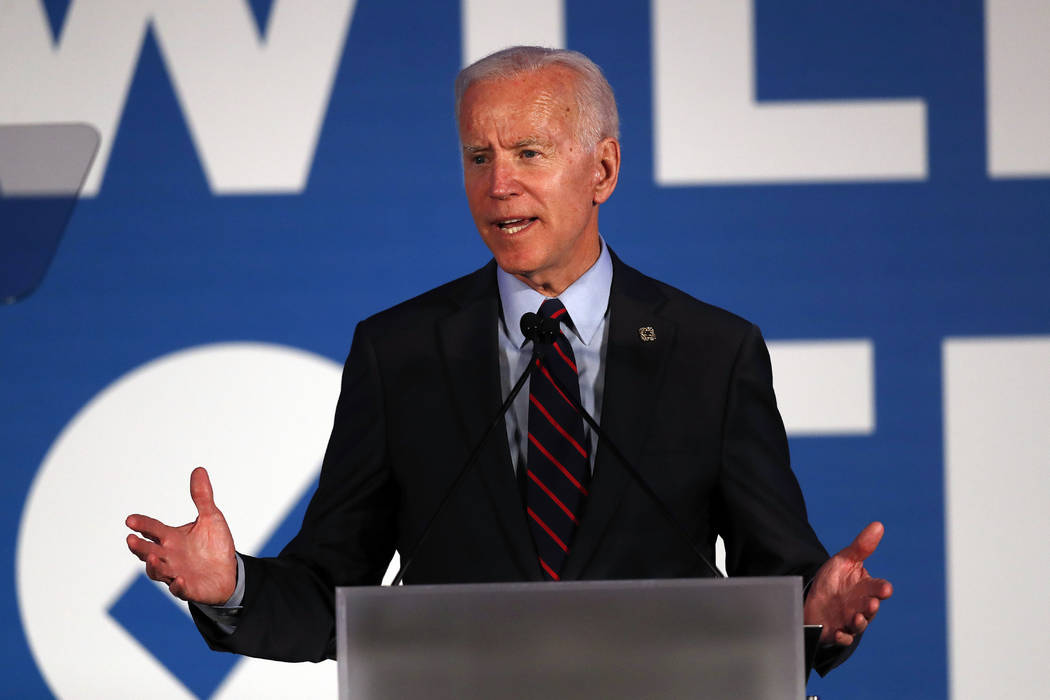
{"points": [[844, 597], [197, 560]]}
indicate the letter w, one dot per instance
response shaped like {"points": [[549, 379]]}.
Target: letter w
{"points": [[254, 105]]}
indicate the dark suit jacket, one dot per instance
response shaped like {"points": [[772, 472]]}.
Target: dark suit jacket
{"points": [[694, 411]]}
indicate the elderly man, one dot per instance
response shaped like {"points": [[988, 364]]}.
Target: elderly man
{"points": [[683, 388]]}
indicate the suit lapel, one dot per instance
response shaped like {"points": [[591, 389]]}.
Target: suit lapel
{"points": [[470, 350], [634, 375]]}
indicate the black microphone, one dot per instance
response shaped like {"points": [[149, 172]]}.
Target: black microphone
{"points": [[539, 330]]}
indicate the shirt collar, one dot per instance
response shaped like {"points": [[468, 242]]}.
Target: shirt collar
{"points": [[586, 300]]}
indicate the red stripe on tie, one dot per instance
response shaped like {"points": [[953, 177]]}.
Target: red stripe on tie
{"points": [[552, 496], [549, 417], [558, 313], [556, 388], [550, 571], [556, 463], [557, 540], [564, 356]]}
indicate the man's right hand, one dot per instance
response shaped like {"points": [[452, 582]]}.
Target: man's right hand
{"points": [[196, 560]]}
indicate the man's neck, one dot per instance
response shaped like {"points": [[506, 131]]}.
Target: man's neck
{"points": [[585, 300], [553, 285]]}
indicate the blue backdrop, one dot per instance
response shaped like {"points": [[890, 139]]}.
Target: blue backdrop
{"points": [[157, 262]]}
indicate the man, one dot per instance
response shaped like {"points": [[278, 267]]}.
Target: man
{"points": [[682, 387]]}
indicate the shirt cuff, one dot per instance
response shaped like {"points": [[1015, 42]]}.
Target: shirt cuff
{"points": [[226, 616]]}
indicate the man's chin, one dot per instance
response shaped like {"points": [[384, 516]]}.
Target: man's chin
{"points": [[517, 265], [518, 269]]}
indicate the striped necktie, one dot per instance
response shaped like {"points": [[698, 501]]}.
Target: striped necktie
{"points": [[558, 466]]}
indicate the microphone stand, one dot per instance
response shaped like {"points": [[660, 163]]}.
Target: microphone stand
{"points": [[542, 331], [471, 461], [668, 515]]}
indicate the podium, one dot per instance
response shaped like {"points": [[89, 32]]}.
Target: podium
{"points": [[735, 638]]}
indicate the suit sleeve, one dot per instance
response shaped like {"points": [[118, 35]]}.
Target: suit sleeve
{"points": [[347, 536], [764, 524]]}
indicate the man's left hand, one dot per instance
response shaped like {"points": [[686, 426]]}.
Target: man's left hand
{"points": [[844, 597]]}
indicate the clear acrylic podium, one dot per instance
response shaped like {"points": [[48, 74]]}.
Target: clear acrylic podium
{"points": [[680, 638]]}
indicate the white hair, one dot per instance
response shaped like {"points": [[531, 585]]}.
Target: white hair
{"points": [[598, 117]]}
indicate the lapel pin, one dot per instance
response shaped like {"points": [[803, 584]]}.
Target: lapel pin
{"points": [[647, 334]]}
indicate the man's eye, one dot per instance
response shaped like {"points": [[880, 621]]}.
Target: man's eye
{"points": [[477, 160], [528, 153]]}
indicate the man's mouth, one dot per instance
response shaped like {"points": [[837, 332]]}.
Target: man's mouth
{"points": [[513, 226]]}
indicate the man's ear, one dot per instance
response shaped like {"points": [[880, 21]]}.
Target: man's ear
{"points": [[606, 169]]}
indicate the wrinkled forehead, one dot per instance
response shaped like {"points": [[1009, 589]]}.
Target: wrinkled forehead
{"points": [[526, 104]]}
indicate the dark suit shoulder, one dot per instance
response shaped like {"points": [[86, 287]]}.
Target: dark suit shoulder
{"points": [[685, 309], [432, 305]]}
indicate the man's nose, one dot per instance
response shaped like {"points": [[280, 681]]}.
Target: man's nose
{"points": [[503, 181]]}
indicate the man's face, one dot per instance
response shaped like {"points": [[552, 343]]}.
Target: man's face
{"points": [[532, 188]]}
